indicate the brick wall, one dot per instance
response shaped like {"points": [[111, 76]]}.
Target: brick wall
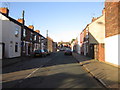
{"points": [[28, 35], [101, 52], [112, 18], [119, 17]]}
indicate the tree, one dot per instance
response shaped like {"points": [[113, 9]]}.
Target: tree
{"points": [[72, 40]]}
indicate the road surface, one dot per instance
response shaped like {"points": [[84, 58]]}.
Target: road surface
{"points": [[54, 71]]}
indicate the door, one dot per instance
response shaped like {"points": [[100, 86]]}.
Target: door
{"points": [[96, 53], [91, 53]]}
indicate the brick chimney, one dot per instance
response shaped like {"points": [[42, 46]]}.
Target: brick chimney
{"points": [[4, 10], [103, 11], [31, 27], [38, 31], [21, 20], [93, 19]]}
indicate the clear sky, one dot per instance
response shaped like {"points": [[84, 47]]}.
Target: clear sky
{"points": [[63, 20]]}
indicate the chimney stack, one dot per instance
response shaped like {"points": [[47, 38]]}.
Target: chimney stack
{"points": [[93, 19], [103, 11], [4, 11], [31, 27], [20, 20], [38, 31]]}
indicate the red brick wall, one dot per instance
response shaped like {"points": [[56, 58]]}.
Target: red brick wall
{"points": [[112, 20], [28, 35], [101, 52], [119, 18]]}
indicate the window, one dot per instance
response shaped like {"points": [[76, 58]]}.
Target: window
{"points": [[16, 47], [24, 33], [39, 39], [35, 38], [16, 32]]}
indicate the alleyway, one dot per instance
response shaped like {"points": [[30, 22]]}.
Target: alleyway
{"points": [[55, 71]]}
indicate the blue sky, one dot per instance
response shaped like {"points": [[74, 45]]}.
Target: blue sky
{"points": [[63, 20]]}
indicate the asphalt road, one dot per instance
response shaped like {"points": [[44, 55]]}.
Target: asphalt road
{"points": [[54, 71]]}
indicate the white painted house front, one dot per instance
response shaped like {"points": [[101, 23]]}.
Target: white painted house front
{"points": [[11, 37], [112, 50], [78, 44], [112, 19]]}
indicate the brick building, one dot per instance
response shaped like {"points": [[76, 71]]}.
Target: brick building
{"points": [[112, 32], [96, 37], [50, 44], [14, 43], [92, 38]]}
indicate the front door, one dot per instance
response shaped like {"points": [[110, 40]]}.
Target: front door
{"points": [[91, 53]]}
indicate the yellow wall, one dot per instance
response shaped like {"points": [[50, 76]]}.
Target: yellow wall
{"points": [[97, 30]]}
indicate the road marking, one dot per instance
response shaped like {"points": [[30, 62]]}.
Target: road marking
{"points": [[35, 70], [38, 68], [31, 73]]}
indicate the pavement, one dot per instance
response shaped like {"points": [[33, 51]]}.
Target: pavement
{"points": [[106, 74], [10, 61]]}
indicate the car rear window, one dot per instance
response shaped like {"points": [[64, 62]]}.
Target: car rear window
{"points": [[42, 50]]}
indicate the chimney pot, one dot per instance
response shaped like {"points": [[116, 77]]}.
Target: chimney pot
{"points": [[31, 27], [20, 20], [4, 10], [38, 31], [103, 11], [93, 19]]}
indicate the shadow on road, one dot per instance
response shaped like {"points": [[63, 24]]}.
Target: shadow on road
{"points": [[60, 72], [59, 80], [54, 59]]}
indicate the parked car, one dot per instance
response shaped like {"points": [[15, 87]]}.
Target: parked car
{"points": [[41, 53], [47, 52], [68, 52]]}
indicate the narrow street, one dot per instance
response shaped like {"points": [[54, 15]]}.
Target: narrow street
{"points": [[54, 71]]}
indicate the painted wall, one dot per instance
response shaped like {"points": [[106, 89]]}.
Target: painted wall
{"points": [[78, 44], [97, 30], [9, 38], [111, 49], [1, 51]]}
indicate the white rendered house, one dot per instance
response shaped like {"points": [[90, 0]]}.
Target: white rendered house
{"points": [[10, 33]]}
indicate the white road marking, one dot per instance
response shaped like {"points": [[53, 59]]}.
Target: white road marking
{"points": [[31, 73], [35, 70], [38, 68]]}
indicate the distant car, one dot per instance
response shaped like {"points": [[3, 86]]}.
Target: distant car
{"points": [[67, 52], [47, 52], [41, 53]]}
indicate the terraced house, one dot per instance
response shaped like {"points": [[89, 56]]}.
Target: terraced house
{"points": [[112, 32], [10, 35], [18, 40], [92, 38]]}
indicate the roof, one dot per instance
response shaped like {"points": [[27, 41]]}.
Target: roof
{"points": [[20, 24]]}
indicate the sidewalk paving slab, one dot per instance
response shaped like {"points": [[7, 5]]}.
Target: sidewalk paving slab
{"points": [[10, 61], [107, 74]]}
